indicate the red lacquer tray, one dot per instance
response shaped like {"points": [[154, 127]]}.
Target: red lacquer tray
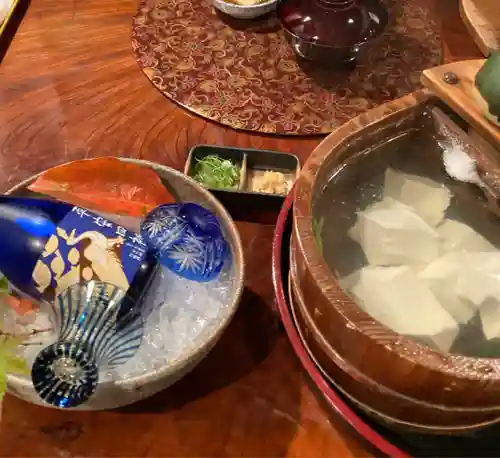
{"points": [[280, 278], [389, 442]]}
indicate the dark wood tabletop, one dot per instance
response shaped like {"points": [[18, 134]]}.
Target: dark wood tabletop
{"points": [[70, 89]]}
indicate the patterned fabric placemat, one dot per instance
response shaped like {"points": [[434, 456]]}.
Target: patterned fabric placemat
{"points": [[245, 75]]}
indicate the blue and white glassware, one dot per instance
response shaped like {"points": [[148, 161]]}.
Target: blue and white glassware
{"points": [[187, 239], [46, 246], [93, 336]]}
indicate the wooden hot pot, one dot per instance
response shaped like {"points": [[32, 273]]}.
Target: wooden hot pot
{"points": [[394, 378]]}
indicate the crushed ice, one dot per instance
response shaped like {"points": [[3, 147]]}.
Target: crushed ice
{"points": [[183, 313]]}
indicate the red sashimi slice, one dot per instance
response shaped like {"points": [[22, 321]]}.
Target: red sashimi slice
{"points": [[21, 306], [105, 184]]}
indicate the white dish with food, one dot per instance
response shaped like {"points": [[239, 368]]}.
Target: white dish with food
{"points": [[245, 9]]}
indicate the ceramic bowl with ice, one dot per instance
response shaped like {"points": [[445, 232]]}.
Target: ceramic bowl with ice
{"points": [[396, 272], [184, 314]]}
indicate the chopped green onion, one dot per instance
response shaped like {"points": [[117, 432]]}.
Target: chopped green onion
{"points": [[215, 172], [4, 285], [317, 227]]}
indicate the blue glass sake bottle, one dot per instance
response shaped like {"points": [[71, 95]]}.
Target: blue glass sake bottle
{"points": [[43, 241]]}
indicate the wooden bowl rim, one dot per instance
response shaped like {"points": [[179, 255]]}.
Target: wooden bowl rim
{"points": [[177, 365], [334, 400], [294, 297], [353, 371], [461, 367]]}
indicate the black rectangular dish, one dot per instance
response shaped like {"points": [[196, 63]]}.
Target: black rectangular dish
{"points": [[265, 178]]}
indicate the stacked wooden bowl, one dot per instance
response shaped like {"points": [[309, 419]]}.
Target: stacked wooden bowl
{"points": [[402, 382]]}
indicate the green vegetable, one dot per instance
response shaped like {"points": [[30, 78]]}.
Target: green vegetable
{"points": [[9, 360], [4, 285], [9, 343], [488, 83], [215, 172], [317, 230]]}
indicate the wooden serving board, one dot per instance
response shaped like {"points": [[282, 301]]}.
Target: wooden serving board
{"points": [[482, 19], [463, 97]]}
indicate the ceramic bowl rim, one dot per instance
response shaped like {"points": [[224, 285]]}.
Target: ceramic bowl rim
{"points": [[248, 7]]}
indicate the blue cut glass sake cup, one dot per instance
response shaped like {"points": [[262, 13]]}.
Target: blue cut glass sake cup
{"points": [[93, 336], [187, 239]]}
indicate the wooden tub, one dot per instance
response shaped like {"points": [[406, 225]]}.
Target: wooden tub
{"points": [[391, 376]]}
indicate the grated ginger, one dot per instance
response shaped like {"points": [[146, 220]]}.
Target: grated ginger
{"points": [[271, 183]]}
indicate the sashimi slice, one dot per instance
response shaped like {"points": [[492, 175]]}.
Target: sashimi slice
{"points": [[105, 184]]}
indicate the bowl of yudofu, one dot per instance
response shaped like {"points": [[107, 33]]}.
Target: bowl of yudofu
{"points": [[395, 270], [124, 191]]}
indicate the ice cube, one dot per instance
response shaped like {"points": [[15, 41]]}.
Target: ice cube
{"points": [[398, 299], [391, 233], [429, 198], [183, 313]]}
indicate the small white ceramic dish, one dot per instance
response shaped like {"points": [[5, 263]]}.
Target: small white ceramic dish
{"points": [[245, 12]]}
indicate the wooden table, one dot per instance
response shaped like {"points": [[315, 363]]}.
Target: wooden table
{"points": [[69, 89]]}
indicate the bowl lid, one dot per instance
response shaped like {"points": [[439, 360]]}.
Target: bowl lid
{"points": [[337, 23]]}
